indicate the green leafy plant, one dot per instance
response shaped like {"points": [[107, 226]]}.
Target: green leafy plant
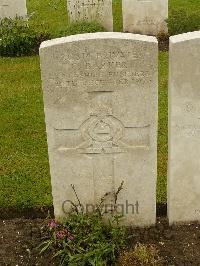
{"points": [[17, 38], [181, 21], [86, 238]]}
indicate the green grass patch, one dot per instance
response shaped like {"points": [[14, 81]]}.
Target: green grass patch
{"points": [[48, 14], [117, 16], [162, 127], [24, 167], [184, 16], [188, 5]]}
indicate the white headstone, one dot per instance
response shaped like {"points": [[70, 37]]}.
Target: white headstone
{"points": [[184, 128], [145, 16], [12, 8], [100, 98], [91, 10]]}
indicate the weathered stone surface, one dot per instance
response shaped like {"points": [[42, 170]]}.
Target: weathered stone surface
{"points": [[145, 16], [184, 128], [12, 8], [100, 97], [91, 10]]}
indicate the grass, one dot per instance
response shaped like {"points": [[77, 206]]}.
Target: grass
{"points": [[24, 170], [48, 14], [52, 14], [188, 5], [162, 127], [117, 15]]}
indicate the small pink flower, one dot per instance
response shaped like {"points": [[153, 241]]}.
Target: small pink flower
{"points": [[52, 224], [71, 237], [65, 231], [61, 234]]}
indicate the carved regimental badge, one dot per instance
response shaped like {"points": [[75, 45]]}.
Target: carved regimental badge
{"points": [[102, 133]]}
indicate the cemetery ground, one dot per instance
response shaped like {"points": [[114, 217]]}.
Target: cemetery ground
{"points": [[25, 180], [176, 245]]}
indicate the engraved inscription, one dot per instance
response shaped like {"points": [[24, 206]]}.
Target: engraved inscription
{"points": [[4, 6], [190, 126], [145, 16], [189, 130], [12, 8], [101, 69], [146, 21], [4, 11], [91, 10], [86, 9]]}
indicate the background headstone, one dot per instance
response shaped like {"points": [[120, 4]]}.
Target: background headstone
{"points": [[91, 10], [184, 128], [100, 98], [12, 8], [145, 16]]}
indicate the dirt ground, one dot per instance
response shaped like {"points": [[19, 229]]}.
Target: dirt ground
{"points": [[20, 237], [163, 43]]}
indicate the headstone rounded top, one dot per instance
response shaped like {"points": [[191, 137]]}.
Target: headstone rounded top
{"points": [[98, 35], [185, 36]]}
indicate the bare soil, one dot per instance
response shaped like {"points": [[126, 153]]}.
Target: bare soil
{"points": [[20, 237], [163, 43]]}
